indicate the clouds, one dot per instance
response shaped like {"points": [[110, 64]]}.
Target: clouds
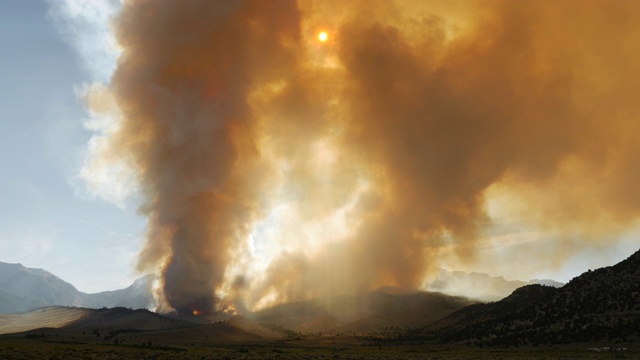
{"points": [[85, 25]]}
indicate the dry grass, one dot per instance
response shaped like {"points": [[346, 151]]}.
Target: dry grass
{"points": [[169, 346], [138, 335], [51, 317]]}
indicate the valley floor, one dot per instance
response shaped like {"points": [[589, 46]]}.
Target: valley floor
{"points": [[319, 348]]}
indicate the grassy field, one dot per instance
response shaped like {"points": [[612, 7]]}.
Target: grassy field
{"points": [[65, 347]]}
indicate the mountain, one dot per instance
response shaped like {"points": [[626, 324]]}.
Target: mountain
{"points": [[365, 313], [23, 289], [599, 305], [385, 312], [138, 295], [479, 286], [130, 327], [369, 313]]}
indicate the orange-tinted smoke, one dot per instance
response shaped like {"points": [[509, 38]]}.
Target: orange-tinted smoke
{"points": [[405, 122], [442, 103], [528, 89], [182, 85]]}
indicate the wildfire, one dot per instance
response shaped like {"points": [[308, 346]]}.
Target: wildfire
{"points": [[230, 310], [196, 312]]}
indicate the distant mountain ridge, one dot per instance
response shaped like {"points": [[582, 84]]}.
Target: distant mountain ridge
{"points": [[602, 304], [23, 289], [479, 286], [137, 328]]}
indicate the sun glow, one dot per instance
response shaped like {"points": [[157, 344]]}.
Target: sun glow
{"points": [[322, 36]]}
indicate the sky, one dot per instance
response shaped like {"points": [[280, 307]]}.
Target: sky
{"points": [[62, 211], [48, 221]]}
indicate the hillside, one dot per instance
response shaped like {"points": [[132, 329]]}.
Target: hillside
{"points": [[133, 327], [51, 317], [23, 289], [362, 314], [75, 319], [603, 304], [138, 295]]}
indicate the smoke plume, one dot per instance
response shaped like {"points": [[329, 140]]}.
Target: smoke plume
{"points": [[274, 166]]}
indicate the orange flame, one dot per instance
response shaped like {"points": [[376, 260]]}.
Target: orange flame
{"points": [[230, 310]]}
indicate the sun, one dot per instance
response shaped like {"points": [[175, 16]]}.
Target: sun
{"points": [[322, 36]]}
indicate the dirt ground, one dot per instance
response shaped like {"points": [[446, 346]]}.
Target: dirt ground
{"points": [[318, 348]]}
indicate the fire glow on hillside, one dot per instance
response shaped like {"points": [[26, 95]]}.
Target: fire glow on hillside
{"points": [[288, 150]]}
